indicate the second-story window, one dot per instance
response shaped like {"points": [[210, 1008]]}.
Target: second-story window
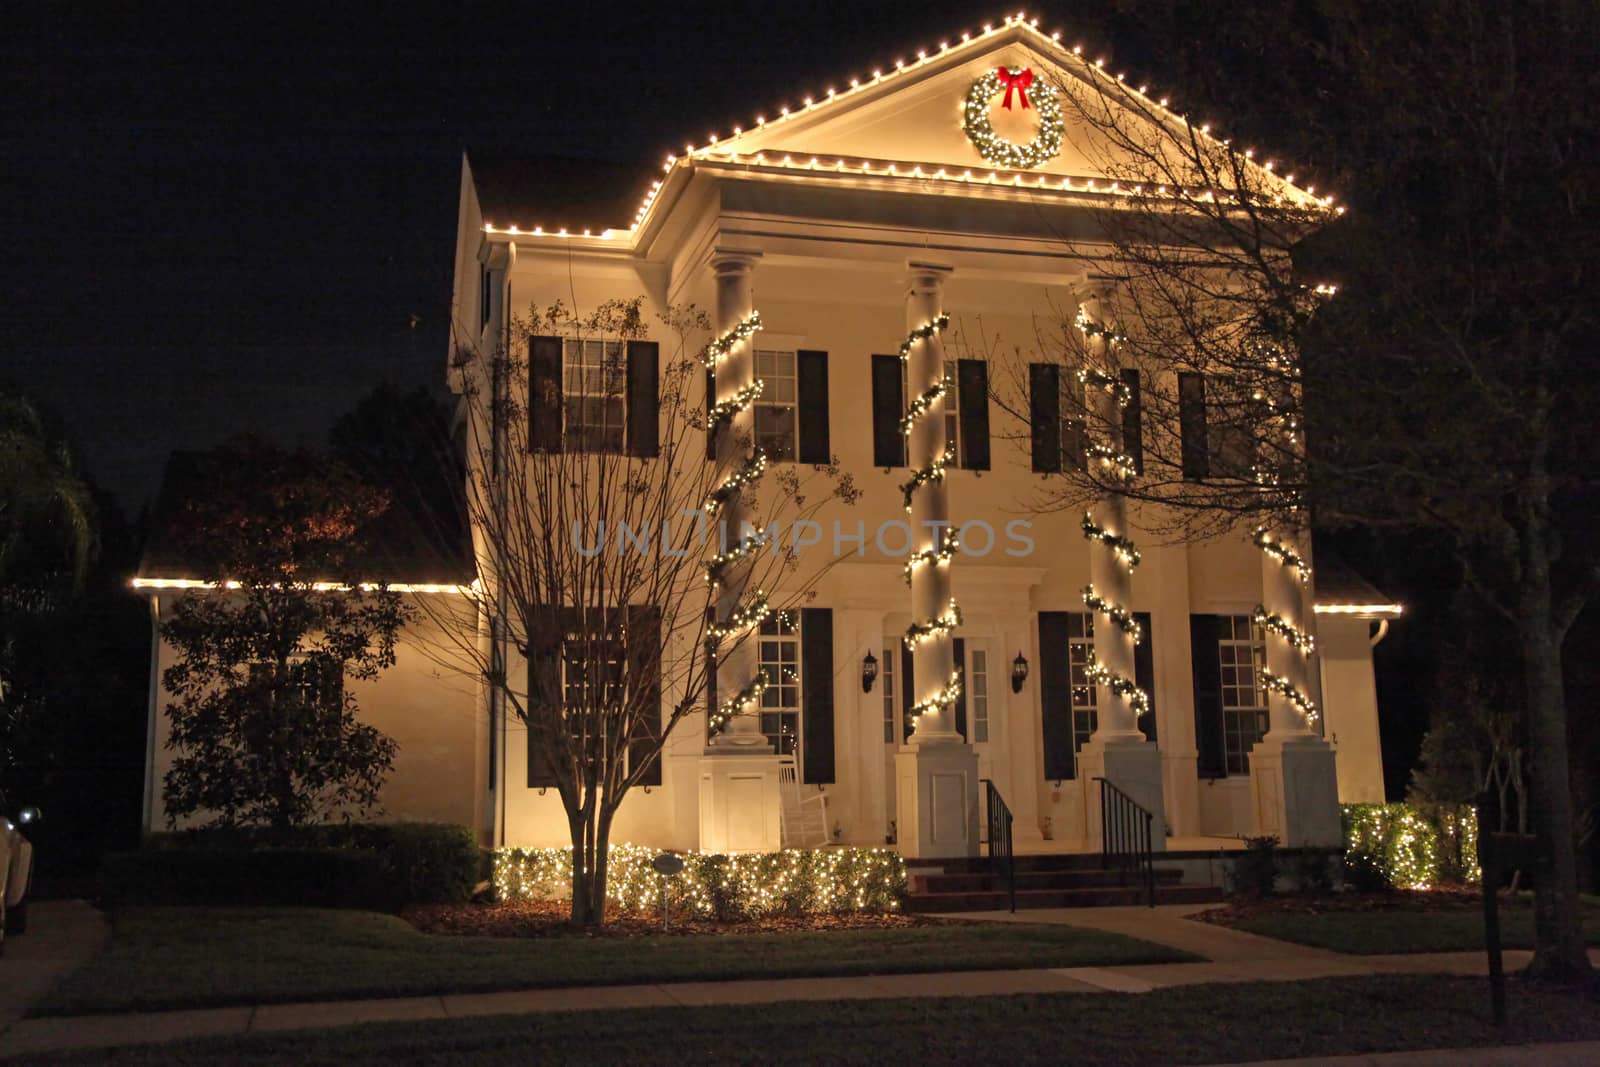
{"points": [[776, 410], [593, 379]]}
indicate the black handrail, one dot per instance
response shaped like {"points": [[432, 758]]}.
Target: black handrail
{"points": [[1000, 838], [1125, 833]]}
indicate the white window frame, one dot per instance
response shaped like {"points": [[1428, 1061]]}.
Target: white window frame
{"points": [[578, 435], [1244, 700], [1084, 698], [978, 687], [952, 406], [890, 693], [768, 401], [782, 630]]}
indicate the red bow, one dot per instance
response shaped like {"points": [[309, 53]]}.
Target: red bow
{"points": [[1019, 81]]}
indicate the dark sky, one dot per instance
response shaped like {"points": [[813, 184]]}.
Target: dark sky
{"points": [[220, 221]]}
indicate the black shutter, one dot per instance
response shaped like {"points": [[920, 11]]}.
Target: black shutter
{"points": [[1133, 421], [908, 689], [544, 394], [1196, 451], [1204, 632], [973, 413], [888, 444], [644, 402], [644, 682], [1144, 672], [816, 688], [711, 398], [812, 369], [1055, 695], [544, 690], [961, 697], [1044, 417]]}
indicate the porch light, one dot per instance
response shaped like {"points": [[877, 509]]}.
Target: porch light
{"points": [[1019, 673], [869, 672]]}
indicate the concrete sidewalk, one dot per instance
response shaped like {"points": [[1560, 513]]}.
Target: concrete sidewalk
{"points": [[1545, 1054], [62, 935], [34, 1036]]}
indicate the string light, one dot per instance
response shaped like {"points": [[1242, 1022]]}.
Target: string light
{"points": [[919, 632], [1285, 555], [748, 473], [944, 552], [1097, 674], [736, 704], [1126, 552], [923, 475], [1299, 639], [1120, 463], [1089, 328], [744, 617], [723, 411], [919, 406], [719, 349], [939, 324], [747, 885], [940, 700], [720, 562], [1116, 387], [1115, 612], [1283, 687]]}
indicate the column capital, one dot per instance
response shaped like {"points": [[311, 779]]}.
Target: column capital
{"points": [[726, 261], [1097, 287], [927, 277]]}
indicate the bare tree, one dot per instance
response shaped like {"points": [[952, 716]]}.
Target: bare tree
{"points": [[1448, 387], [603, 567]]}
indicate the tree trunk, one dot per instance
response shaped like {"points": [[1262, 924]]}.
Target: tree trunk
{"points": [[578, 828], [1560, 953]]}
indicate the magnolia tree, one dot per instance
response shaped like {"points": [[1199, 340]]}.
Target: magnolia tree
{"points": [[613, 579], [1446, 386]]}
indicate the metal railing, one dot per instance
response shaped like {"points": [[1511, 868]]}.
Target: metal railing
{"points": [[1125, 832], [999, 830]]}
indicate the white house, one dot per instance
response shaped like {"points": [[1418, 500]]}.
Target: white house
{"points": [[848, 220]]}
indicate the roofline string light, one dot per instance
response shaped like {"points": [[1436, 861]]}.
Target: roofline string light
{"points": [[1050, 43]]}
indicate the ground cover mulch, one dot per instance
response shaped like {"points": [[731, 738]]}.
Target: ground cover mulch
{"points": [[1437, 899], [550, 918]]}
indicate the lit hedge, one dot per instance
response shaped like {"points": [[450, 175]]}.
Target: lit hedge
{"points": [[716, 886], [1414, 845]]}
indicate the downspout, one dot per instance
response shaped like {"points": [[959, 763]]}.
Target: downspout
{"points": [[1383, 631], [151, 712]]}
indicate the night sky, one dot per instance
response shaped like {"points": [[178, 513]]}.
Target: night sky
{"points": [[242, 220]]}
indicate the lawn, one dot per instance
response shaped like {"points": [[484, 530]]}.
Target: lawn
{"points": [[1367, 932], [161, 958], [1195, 1024]]}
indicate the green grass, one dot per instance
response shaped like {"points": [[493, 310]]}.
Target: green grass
{"points": [[161, 958], [1196, 1024], [1368, 933]]}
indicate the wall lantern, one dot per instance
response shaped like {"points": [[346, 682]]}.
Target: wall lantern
{"points": [[1019, 673], [869, 672]]}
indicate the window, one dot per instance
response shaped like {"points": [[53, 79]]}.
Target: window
{"points": [[591, 678], [779, 663], [316, 681], [1241, 647], [978, 681], [1080, 648], [889, 656], [952, 406], [1074, 438], [593, 377], [1230, 428], [776, 429]]}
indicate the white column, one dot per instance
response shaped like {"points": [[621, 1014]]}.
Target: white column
{"points": [[740, 801], [1117, 752], [936, 775], [736, 666]]}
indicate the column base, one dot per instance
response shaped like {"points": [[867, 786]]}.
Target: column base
{"points": [[740, 805], [1133, 765], [1294, 788], [936, 798]]}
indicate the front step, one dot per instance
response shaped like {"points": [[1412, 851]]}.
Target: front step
{"points": [[1063, 881]]}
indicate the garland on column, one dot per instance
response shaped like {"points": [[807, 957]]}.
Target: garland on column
{"points": [[1285, 555], [747, 615], [948, 544], [722, 347], [1129, 691], [1285, 688], [1126, 551], [1303, 642], [1115, 612], [1120, 463]]}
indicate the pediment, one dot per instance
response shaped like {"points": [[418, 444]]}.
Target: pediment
{"points": [[913, 116]]}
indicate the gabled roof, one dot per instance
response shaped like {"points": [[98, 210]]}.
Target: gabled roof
{"points": [[900, 124]]}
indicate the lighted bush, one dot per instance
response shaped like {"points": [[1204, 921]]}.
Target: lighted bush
{"points": [[1412, 846], [716, 886]]}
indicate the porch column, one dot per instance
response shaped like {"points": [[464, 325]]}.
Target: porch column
{"points": [[937, 774], [1117, 750], [1293, 778], [739, 796]]}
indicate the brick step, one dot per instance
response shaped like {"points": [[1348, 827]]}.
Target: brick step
{"points": [[1105, 896], [1092, 878]]}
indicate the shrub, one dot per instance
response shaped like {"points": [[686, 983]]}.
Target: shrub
{"points": [[1414, 846], [372, 865], [1365, 873], [712, 885], [1311, 871], [1255, 871]]}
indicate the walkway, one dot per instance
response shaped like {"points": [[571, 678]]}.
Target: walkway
{"points": [[62, 934], [1234, 957]]}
